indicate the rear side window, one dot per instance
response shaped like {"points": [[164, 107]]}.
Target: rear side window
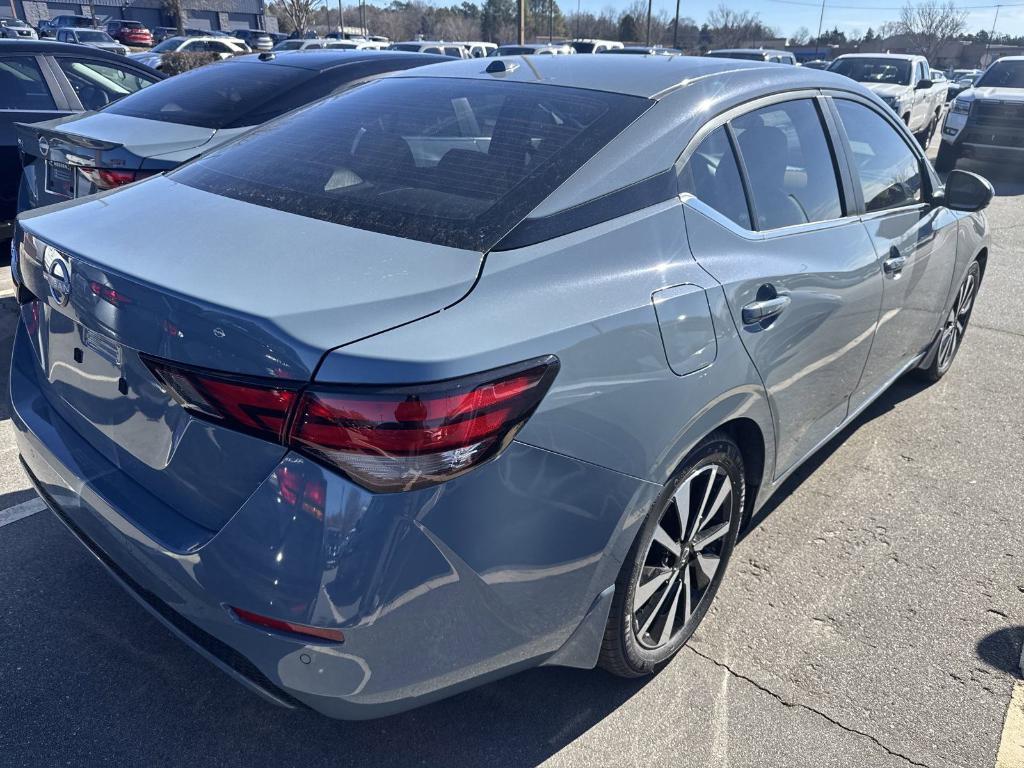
{"points": [[22, 85], [889, 172], [98, 83], [789, 165], [218, 96], [711, 175], [446, 161]]}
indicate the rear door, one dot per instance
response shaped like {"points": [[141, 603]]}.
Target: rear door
{"points": [[915, 243], [28, 93], [767, 216]]}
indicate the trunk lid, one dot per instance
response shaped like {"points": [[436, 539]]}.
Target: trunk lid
{"points": [[184, 275], [103, 140]]}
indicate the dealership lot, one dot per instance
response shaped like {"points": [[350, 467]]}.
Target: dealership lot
{"points": [[873, 616]]}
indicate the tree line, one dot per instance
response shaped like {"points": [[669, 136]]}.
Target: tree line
{"points": [[925, 25]]}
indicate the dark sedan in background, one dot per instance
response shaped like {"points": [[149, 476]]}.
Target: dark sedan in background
{"points": [[41, 80], [187, 115]]}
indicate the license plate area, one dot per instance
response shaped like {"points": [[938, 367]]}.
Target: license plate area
{"points": [[103, 346], [59, 179]]}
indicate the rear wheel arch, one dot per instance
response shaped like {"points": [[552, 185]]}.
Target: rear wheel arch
{"points": [[982, 259], [750, 440]]}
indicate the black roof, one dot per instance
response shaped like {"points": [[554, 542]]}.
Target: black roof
{"points": [[325, 58], [11, 45]]}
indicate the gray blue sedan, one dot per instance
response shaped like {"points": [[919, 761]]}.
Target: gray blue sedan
{"points": [[481, 366]]}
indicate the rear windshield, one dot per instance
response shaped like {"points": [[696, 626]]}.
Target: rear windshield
{"points": [[890, 71], [583, 47], [406, 47], [130, 24], [232, 95], [447, 161], [1003, 74], [514, 50]]}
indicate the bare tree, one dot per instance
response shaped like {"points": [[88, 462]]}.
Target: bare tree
{"points": [[730, 28], [174, 9], [299, 13], [930, 24], [800, 36]]}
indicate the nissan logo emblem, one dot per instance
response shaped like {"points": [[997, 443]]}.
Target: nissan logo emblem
{"points": [[58, 276], [44, 146]]}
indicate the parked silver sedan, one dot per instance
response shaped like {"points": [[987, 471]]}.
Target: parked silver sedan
{"points": [[487, 365]]}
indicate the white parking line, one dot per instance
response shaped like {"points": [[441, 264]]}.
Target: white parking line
{"points": [[1011, 746], [18, 511]]}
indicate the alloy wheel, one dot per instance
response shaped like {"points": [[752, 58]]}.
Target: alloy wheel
{"points": [[956, 321], [683, 556]]}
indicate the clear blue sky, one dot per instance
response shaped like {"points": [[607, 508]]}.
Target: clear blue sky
{"points": [[854, 15]]}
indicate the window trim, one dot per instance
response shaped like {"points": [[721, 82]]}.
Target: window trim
{"points": [[901, 130]]}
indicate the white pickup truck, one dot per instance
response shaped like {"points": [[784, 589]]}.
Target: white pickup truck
{"points": [[904, 82], [986, 122]]}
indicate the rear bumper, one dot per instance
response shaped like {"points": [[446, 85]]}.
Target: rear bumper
{"points": [[436, 590]]}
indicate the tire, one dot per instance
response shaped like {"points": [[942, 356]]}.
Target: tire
{"points": [[954, 327], [947, 157], [654, 582]]}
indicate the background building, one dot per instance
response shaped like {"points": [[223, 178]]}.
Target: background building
{"points": [[202, 14]]}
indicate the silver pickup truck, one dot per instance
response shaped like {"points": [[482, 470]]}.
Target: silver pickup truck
{"points": [[987, 121], [904, 82]]}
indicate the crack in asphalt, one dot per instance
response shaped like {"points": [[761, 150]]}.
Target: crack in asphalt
{"points": [[808, 708], [997, 330]]}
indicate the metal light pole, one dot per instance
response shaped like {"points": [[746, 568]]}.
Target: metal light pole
{"points": [[675, 28], [341, 19], [577, 18], [522, 21], [551, 20], [649, 4]]}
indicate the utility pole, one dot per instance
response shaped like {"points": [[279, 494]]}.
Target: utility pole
{"points": [[649, 4], [577, 18], [821, 19], [988, 44], [551, 20], [522, 22], [675, 28], [341, 19]]}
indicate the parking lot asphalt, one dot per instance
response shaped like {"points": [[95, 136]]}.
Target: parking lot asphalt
{"points": [[872, 616]]}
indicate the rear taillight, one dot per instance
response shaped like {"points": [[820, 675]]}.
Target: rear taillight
{"points": [[108, 178], [390, 438]]}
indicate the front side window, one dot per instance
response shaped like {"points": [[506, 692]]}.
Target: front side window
{"points": [[22, 86], [712, 176], [99, 83], [789, 165], [889, 172], [446, 161]]}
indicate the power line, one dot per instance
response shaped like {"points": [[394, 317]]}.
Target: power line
{"points": [[888, 7]]}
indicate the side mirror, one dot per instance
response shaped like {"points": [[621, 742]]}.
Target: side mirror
{"points": [[923, 85], [967, 191]]}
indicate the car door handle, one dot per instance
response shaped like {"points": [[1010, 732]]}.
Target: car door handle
{"points": [[759, 311], [894, 264]]}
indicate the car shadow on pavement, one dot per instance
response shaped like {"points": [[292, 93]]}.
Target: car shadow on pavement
{"points": [[904, 389], [1003, 650]]}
